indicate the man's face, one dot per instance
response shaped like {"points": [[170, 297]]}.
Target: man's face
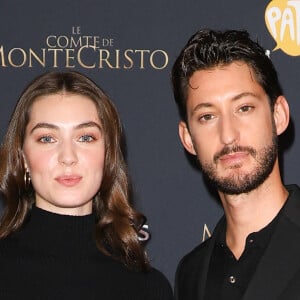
{"points": [[230, 128]]}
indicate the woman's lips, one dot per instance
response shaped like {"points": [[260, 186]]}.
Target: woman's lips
{"points": [[68, 180]]}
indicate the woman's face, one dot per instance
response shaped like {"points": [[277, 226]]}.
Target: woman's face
{"points": [[64, 151]]}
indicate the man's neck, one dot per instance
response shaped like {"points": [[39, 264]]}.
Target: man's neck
{"points": [[250, 212]]}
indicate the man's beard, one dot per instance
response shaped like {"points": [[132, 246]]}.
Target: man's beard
{"points": [[239, 182]]}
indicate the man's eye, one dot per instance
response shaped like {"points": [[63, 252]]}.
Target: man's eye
{"points": [[246, 108], [46, 139], [206, 117], [86, 138]]}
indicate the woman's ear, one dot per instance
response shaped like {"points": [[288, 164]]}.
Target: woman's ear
{"points": [[281, 114], [186, 138]]}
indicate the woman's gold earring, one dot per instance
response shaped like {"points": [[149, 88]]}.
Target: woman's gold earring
{"points": [[27, 179]]}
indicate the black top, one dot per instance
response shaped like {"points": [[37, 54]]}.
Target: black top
{"points": [[277, 275], [228, 277], [55, 257]]}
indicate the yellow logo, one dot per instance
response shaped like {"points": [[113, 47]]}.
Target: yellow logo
{"points": [[282, 18]]}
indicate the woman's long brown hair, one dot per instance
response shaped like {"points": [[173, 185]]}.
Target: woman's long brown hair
{"points": [[118, 224]]}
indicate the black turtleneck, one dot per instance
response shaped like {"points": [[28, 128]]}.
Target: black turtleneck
{"points": [[55, 257]]}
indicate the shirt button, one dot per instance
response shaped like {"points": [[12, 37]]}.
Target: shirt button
{"points": [[232, 279]]}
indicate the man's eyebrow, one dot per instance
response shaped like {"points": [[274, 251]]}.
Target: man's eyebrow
{"points": [[55, 127], [201, 105], [236, 97], [242, 95]]}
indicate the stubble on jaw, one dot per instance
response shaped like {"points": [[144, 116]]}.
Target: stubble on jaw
{"points": [[239, 182]]}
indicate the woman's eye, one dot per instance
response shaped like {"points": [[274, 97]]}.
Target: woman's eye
{"points": [[46, 139], [86, 138]]}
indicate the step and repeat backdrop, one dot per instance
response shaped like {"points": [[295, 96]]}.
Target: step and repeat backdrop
{"points": [[128, 48]]}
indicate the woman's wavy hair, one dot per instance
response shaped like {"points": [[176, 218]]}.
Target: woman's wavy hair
{"points": [[118, 224]]}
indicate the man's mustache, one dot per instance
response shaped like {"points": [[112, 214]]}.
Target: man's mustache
{"points": [[232, 149]]}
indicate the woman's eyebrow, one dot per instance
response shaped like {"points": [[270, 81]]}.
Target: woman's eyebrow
{"points": [[88, 124], [44, 125], [55, 127]]}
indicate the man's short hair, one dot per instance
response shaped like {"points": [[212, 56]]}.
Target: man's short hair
{"points": [[208, 49]]}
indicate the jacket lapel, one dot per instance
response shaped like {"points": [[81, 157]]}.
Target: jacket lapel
{"points": [[281, 259], [206, 259]]}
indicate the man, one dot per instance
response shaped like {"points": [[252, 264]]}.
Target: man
{"points": [[232, 110]]}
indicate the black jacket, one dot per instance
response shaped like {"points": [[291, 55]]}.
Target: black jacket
{"points": [[278, 273]]}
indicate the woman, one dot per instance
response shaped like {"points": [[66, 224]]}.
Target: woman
{"points": [[67, 229]]}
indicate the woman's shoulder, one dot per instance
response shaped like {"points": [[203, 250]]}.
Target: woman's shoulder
{"points": [[157, 285], [157, 276], [8, 243]]}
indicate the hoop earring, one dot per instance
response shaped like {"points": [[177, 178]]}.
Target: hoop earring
{"points": [[27, 179]]}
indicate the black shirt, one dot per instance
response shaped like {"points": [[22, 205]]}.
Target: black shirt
{"points": [[228, 277]]}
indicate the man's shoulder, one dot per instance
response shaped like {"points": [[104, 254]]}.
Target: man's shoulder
{"points": [[189, 271], [194, 257]]}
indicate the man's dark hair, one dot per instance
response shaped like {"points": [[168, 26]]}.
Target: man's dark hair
{"points": [[207, 49]]}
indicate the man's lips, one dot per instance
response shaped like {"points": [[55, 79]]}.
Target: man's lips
{"points": [[233, 158], [235, 152], [68, 180]]}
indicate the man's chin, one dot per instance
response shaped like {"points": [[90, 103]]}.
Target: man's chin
{"points": [[238, 184]]}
